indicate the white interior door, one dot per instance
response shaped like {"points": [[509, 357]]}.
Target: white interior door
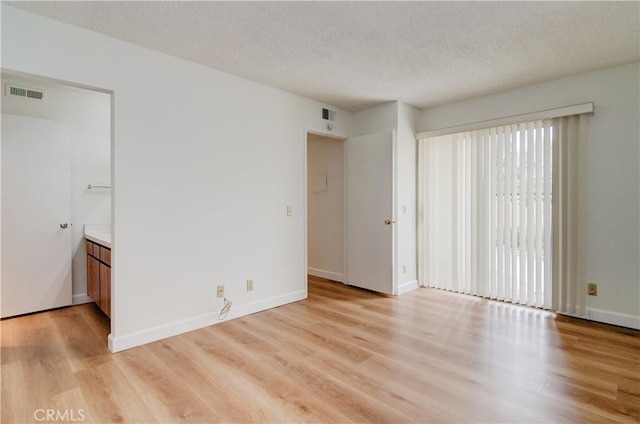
{"points": [[369, 183], [36, 205]]}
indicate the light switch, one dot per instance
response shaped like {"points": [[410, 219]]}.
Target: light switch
{"points": [[289, 210], [404, 209]]}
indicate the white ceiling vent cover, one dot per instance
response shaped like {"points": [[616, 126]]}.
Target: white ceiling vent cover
{"points": [[329, 115], [13, 90]]}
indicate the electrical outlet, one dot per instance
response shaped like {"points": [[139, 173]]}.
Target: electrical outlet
{"points": [[220, 291], [249, 285], [592, 289]]}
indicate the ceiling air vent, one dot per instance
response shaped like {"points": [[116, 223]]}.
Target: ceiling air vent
{"points": [[329, 115], [24, 92]]}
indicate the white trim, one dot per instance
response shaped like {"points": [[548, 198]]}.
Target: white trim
{"points": [[327, 134], [509, 120], [394, 209], [329, 275], [79, 299], [305, 203], [615, 318], [407, 287], [345, 241], [140, 338], [419, 213]]}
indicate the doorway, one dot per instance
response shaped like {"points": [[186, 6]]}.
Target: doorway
{"points": [[86, 114], [325, 207], [350, 202]]}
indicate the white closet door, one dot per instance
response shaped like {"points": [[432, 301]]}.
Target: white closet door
{"points": [[36, 215], [369, 182]]}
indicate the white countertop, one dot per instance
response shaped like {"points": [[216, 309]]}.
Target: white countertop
{"points": [[98, 233]]}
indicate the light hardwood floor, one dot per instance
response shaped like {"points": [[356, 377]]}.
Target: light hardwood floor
{"points": [[343, 355]]}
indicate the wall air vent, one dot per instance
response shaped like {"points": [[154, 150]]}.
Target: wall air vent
{"points": [[24, 92], [329, 115]]}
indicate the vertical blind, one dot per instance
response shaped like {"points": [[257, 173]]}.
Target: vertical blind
{"points": [[569, 216], [487, 212], [503, 212]]}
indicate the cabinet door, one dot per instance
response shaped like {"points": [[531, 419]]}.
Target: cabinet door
{"points": [[105, 255], [105, 289], [89, 246], [93, 279]]}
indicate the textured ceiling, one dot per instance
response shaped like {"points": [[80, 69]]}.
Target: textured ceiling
{"points": [[359, 54]]}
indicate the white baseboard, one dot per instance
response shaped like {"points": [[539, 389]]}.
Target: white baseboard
{"points": [[329, 275], [139, 338], [79, 299], [407, 287], [608, 317]]}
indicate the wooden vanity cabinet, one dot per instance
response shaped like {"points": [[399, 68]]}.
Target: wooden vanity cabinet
{"points": [[99, 275]]}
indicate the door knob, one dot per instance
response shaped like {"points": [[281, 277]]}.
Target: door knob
{"points": [[388, 222], [63, 225]]}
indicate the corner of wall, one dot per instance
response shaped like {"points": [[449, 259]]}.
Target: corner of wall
{"points": [[376, 119]]}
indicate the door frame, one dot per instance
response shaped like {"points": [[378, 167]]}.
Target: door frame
{"points": [[111, 93], [394, 251], [328, 134]]}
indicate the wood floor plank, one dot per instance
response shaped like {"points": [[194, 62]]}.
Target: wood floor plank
{"points": [[328, 359], [78, 342], [110, 396], [342, 355], [270, 395], [13, 396], [217, 381], [162, 390]]}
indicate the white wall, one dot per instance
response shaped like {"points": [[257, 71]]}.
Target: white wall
{"points": [[374, 120], [204, 166], [406, 224], [325, 209], [613, 172], [88, 115]]}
